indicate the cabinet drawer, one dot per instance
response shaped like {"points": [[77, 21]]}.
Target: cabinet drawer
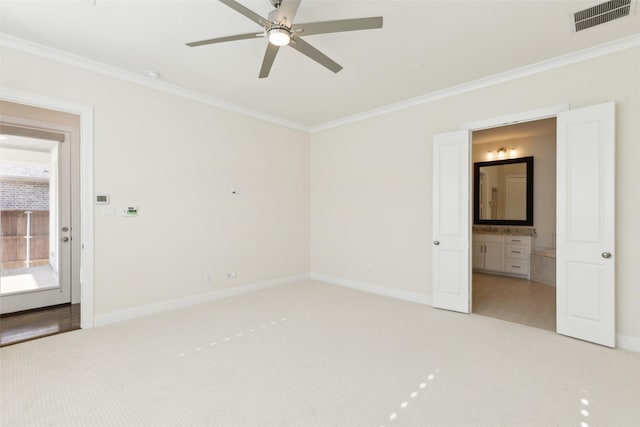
{"points": [[516, 266], [518, 240], [517, 251], [488, 238]]}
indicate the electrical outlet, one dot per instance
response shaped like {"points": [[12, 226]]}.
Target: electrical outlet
{"points": [[209, 277], [231, 275]]}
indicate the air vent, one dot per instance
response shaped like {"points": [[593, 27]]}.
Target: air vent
{"points": [[601, 13]]}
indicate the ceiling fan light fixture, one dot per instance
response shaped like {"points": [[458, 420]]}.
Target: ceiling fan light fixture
{"points": [[279, 36]]}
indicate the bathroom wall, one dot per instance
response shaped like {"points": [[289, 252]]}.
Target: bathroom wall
{"points": [[543, 149]]}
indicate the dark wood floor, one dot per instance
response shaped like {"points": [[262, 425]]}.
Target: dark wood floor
{"points": [[32, 324], [515, 300]]}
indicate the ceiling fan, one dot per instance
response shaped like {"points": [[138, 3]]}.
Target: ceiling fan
{"points": [[280, 30]]}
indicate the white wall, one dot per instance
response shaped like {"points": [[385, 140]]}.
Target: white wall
{"points": [[543, 150], [177, 160], [371, 180]]}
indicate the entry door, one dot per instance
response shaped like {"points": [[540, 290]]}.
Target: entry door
{"points": [[39, 273], [451, 236], [585, 224]]}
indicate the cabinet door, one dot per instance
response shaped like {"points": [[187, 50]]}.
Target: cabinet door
{"points": [[477, 256], [494, 256]]}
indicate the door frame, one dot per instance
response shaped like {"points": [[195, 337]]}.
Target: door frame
{"points": [[87, 253], [509, 119]]}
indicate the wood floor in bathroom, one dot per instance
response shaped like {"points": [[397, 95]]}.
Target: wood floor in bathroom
{"points": [[515, 300]]}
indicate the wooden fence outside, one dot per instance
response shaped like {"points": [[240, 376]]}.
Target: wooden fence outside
{"points": [[14, 239]]}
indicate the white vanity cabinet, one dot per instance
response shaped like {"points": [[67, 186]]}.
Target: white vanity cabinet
{"points": [[503, 254], [488, 252]]}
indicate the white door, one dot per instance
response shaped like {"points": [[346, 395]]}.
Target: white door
{"points": [[585, 224], [38, 273], [451, 236]]}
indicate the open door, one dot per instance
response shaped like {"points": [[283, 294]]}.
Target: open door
{"points": [[451, 235], [36, 264], [585, 217]]}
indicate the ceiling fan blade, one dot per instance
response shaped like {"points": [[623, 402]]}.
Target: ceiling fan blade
{"points": [[338, 26], [313, 53], [287, 11], [267, 62], [226, 39], [246, 12]]}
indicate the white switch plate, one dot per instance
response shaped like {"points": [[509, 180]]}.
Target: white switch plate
{"points": [[108, 211], [130, 211]]}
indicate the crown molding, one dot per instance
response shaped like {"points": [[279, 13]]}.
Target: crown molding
{"points": [[604, 49], [37, 49], [517, 73]]}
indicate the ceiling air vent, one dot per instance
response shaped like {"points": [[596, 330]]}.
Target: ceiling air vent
{"points": [[601, 13]]}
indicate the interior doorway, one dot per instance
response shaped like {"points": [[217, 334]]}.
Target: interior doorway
{"points": [[513, 256], [39, 211], [585, 218]]}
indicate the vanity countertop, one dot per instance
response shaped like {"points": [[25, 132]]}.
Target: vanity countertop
{"points": [[506, 231]]}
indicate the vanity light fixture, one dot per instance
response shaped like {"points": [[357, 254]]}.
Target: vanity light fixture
{"points": [[501, 153]]}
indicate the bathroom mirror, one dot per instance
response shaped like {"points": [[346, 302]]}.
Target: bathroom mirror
{"points": [[503, 192]]}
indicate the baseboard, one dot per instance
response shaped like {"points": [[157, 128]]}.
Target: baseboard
{"points": [[627, 342], [145, 310], [374, 289]]}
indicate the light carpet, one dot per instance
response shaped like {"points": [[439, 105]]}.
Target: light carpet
{"points": [[312, 354]]}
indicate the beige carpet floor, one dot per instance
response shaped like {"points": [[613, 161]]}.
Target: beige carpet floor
{"points": [[312, 354]]}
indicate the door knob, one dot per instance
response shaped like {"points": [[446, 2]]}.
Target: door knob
{"points": [[606, 255], [435, 242], [65, 239]]}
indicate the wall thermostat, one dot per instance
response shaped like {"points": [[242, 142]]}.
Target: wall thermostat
{"points": [[102, 199]]}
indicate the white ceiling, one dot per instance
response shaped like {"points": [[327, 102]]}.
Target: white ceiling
{"points": [[424, 46]]}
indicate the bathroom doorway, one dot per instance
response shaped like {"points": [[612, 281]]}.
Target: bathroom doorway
{"points": [[513, 260]]}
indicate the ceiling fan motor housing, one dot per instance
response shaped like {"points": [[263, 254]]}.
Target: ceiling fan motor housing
{"points": [[273, 17], [279, 35]]}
